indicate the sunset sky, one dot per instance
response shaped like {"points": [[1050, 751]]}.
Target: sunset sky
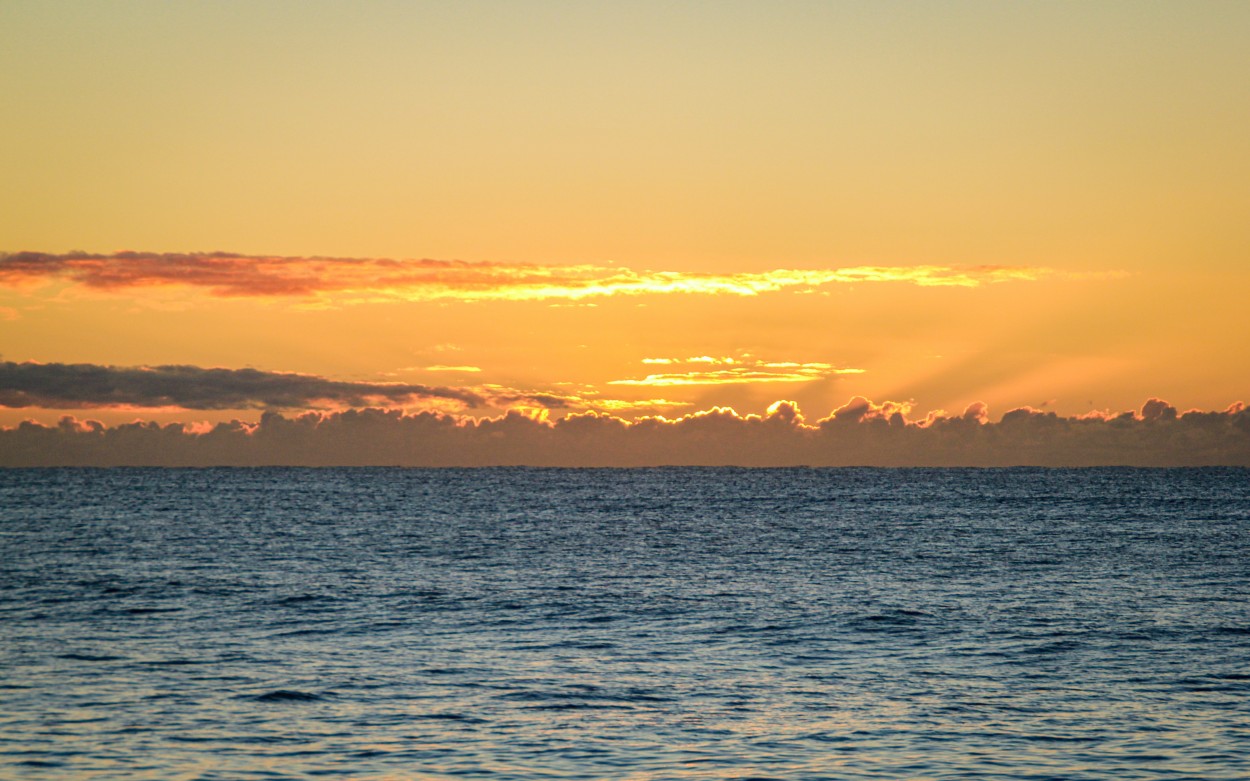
{"points": [[214, 210]]}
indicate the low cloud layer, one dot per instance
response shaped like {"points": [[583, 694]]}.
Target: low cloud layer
{"points": [[859, 433], [84, 386], [382, 279]]}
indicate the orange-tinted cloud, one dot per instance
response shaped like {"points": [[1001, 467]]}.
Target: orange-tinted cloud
{"points": [[586, 399], [859, 433], [625, 405], [706, 370], [350, 280]]}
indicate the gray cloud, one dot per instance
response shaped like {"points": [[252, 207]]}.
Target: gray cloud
{"points": [[860, 433], [84, 386]]}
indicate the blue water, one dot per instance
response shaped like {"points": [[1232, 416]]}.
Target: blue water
{"points": [[625, 624]]}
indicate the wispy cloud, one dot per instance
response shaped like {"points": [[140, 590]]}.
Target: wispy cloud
{"points": [[441, 368], [348, 280], [585, 399], [624, 405], [707, 370]]}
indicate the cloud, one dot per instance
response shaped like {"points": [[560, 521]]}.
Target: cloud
{"points": [[530, 401], [83, 386], [858, 433], [354, 280], [707, 370], [624, 405], [861, 410], [88, 386], [1158, 409], [441, 368], [977, 412]]}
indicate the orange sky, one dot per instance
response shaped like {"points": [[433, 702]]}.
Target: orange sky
{"points": [[639, 209]]}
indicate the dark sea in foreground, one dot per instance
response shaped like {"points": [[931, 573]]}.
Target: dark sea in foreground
{"points": [[625, 624]]}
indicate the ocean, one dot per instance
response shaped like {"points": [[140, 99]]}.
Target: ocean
{"points": [[625, 624]]}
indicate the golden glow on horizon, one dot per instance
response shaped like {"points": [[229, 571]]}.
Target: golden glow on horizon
{"points": [[1023, 205], [856, 410]]}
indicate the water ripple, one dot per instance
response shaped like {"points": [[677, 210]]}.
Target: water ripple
{"points": [[625, 624]]}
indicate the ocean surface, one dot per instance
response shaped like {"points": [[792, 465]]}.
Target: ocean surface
{"points": [[625, 624]]}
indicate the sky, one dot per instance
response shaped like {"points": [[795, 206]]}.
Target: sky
{"points": [[632, 220]]}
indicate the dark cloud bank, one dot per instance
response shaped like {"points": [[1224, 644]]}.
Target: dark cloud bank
{"points": [[859, 433], [86, 385]]}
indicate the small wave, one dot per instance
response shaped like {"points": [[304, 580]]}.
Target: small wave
{"points": [[580, 706], [306, 632], [460, 717], [288, 695], [427, 593], [735, 629], [585, 697], [585, 645], [1215, 683], [827, 737], [90, 657], [890, 620], [1050, 738], [444, 671], [900, 616], [304, 599], [576, 645], [600, 619], [1057, 647]]}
